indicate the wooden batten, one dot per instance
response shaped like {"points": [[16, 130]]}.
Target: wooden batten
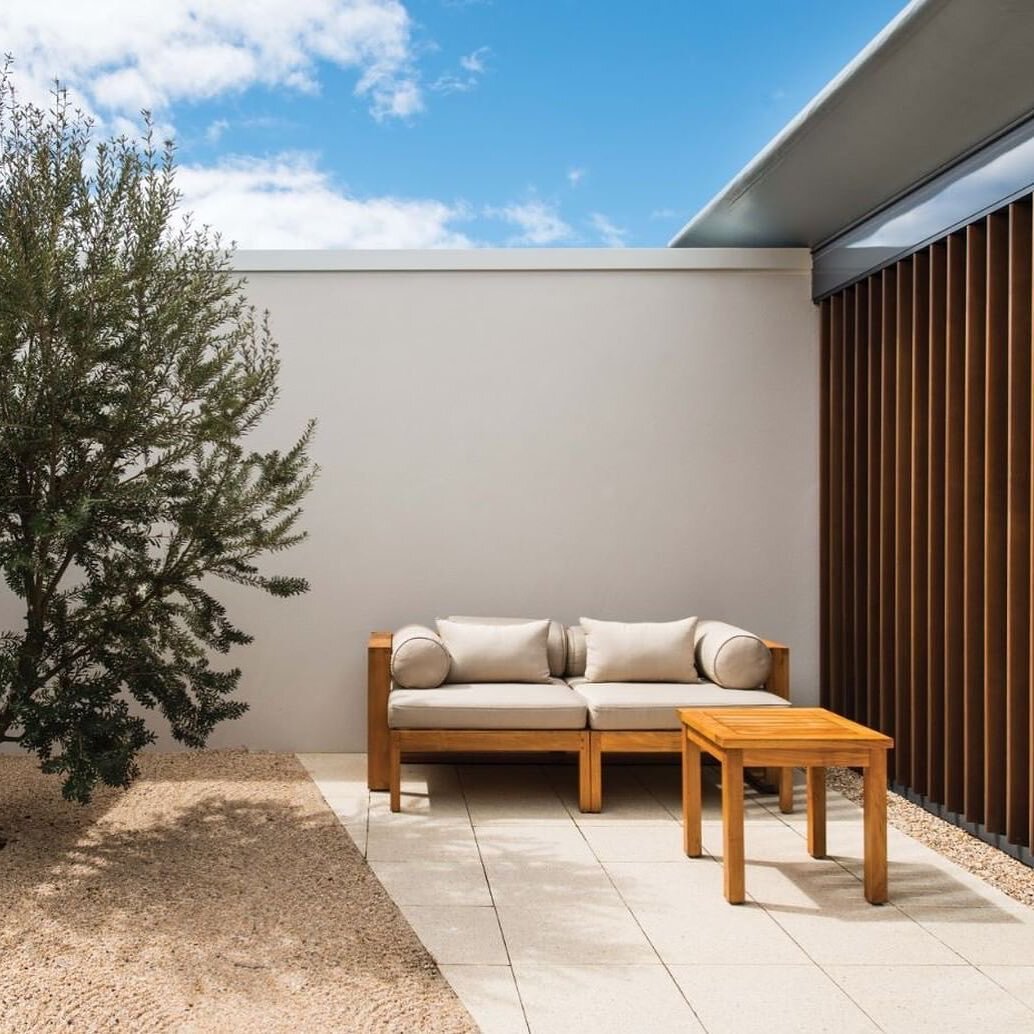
{"points": [[903, 643], [835, 473], [973, 526], [860, 491], [919, 689], [936, 655], [1017, 702], [874, 351], [888, 495], [847, 507], [996, 442], [954, 527]]}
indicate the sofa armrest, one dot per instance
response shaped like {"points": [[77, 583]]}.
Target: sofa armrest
{"points": [[378, 686], [779, 681]]}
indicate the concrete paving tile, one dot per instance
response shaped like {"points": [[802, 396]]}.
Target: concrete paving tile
{"points": [[458, 934], [1017, 980], [586, 932], [768, 999], [923, 999], [615, 999], [490, 996], [425, 882]]}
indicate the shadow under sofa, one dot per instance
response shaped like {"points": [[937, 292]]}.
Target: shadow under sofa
{"points": [[567, 714]]}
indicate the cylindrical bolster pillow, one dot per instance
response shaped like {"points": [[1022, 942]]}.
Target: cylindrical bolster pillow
{"points": [[419, 659], [732, 657], [576, 651], [556, 641]]}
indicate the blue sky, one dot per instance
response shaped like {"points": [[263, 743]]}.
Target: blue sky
{"points": [[428, 123]]}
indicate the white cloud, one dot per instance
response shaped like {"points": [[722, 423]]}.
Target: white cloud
{"points": [[118, 56], [289, 202], [611, 235], [575, 176], [394, 100], [538, 222], [216, 129], [286, 202], [475, 61], [449, 83], [664, 213], [472, 66]]}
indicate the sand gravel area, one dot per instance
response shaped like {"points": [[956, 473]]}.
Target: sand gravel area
{"points": [[219, 893]]}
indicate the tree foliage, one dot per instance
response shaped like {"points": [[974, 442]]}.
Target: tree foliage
{"points": [[132, 371]]}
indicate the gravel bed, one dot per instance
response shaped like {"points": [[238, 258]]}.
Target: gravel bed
{"points": [[218, 894], [995, 867]]}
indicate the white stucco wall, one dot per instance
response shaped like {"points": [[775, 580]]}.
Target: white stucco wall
{"points": [[628, 435]]}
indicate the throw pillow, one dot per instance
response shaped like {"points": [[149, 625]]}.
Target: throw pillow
{"points": [[645, 651], [496, 653]]}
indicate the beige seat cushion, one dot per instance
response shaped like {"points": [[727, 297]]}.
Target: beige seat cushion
{"points": [[652, 705], [493, 705], [419, 659], [496, 653], [641, 651], [731, 656], [556, 640]]}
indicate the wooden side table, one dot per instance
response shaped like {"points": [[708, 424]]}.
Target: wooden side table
{"points": [[783, 737]]}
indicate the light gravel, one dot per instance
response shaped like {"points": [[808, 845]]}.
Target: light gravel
{"points": [[219, 893], [1009, 875]]}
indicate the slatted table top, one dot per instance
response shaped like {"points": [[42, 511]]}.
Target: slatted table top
{"points": [[775, 727]]}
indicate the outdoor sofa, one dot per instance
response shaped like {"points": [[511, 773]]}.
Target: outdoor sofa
{"points": [[422, 700]]}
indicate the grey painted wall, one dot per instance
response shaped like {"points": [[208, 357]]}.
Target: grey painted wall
{"points": [[622, 443]]}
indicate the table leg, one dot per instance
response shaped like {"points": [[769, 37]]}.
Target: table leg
{"points": [[786, 789], [690, 797], [816, 812], [732, 826], [875, 788]]}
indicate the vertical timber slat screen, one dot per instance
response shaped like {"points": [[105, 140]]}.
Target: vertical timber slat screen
{"points": [[928, 517]]}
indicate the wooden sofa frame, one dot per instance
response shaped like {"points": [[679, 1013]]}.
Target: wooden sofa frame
{"points": [[385, 746]]}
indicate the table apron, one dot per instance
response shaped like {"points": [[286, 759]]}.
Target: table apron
{"points": [[778, 757]]}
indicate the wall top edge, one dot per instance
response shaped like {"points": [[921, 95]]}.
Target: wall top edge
{"points": [[793, 260]]}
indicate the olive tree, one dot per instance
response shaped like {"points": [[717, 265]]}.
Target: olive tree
{"points": [[132, 372]]}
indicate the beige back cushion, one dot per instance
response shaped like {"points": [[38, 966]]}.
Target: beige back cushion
{"points": [[419, 659], [644, 651], [556, 641], [496, 653], [732, 657], [575, 635]]}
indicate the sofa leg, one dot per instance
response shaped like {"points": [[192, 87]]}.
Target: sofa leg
{"points": [[589, 773], [591, 762], [584, 775], [395, 772]]}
